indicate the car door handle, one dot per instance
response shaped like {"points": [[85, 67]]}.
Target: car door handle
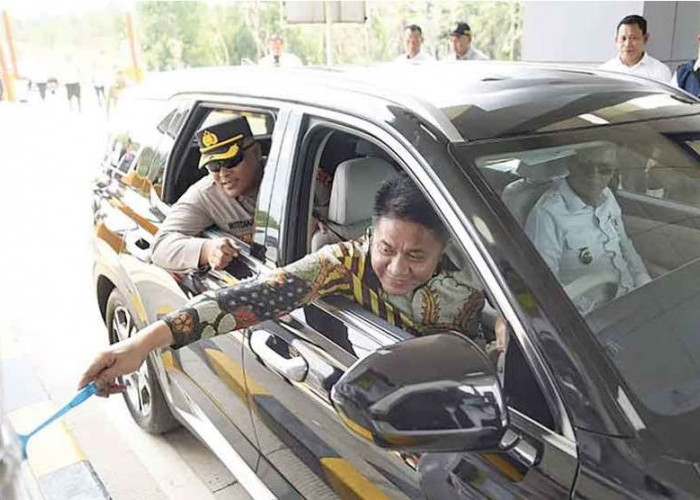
{"points": [[293, 368]]}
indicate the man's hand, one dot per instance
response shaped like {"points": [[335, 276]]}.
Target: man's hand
{"points": [[119, 359], [124, 357], [501, 331], [218, 253]]}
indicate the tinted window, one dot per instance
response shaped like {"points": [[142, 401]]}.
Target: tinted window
{"points": [[615, 214]]}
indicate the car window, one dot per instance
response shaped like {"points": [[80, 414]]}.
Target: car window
{"points": [[615, 215], [185, 167], [134, 145], [345, 170]]}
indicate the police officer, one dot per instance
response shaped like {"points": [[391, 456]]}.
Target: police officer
{"points": [[577, 227], [225, 198]]}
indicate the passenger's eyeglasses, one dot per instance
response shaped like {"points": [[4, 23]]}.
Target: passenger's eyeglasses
{"points": [[598, 167], [216, 165]]}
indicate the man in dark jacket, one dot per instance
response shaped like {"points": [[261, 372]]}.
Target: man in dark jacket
{"points": [[687, 76]]}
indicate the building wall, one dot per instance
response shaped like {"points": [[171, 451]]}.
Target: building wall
{"points": [[584, 32]]}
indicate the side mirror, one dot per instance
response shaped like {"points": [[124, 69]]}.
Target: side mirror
{"points": [[437, 393]]}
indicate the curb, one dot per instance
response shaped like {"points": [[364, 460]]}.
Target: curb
{"points": [[57, 465]]}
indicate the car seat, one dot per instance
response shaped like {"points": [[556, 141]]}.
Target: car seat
{"points": [[352, 199], [521, 195]]}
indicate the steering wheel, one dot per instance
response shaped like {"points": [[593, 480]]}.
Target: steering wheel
{"points": [[605, 282]]}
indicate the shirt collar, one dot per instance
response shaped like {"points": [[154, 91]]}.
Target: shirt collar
{"points": [[642, 62], [696, 66], [574, 203]]}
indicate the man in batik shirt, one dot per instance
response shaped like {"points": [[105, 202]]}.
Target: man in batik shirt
{"points": [[399, 273]]}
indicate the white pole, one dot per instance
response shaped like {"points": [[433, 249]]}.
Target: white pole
{"points": [[329, 41]]}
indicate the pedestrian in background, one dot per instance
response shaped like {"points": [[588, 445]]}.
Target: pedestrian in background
{"points": [[116, 87], [71, 80], [687, 75], [461, 45], [40, 80], [99, 82], [412, 42], [631, 38], [277, 57]]}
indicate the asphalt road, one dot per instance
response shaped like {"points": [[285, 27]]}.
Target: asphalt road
{"points": [[48, 311]]}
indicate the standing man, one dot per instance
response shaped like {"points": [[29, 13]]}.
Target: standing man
{"points": [[225, 198], [277, 57], [413, 39], [687, 75], [631, 38], [461, 45]]}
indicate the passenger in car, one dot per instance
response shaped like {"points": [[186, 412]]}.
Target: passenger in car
{"points": [[397, 271], [577, 227], [225, 198]]}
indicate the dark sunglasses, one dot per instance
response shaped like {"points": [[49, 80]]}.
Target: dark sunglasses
{"points": [[216, 165]]}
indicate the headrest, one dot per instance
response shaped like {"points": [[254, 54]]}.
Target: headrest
{"points": [[544, 168], [355, 184]]}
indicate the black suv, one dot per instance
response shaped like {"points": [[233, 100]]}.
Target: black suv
{"points": [[331, 401]]}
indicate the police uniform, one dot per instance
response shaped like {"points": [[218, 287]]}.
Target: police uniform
{"points": [[576, 239], [177, 245]]}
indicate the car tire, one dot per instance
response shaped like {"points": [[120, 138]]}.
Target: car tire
{"points": [[143, 395]]}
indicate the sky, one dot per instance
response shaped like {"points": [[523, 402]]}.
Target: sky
{"points": [[28, 9]]}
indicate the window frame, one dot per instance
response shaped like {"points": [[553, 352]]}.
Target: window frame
{"points": [[201, 105], [411, 161]]}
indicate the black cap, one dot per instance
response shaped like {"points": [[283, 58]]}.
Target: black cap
{"points": [[222, 139], [461, 29]]}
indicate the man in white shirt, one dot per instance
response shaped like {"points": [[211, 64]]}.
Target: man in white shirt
{"points": [[461, 45], [631, 38], [413, 39], [278, 58], [577, 227]]}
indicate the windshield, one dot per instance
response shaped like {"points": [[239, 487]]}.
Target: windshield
{"points": [[615, 214]]}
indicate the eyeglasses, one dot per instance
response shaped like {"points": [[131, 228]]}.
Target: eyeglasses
{"points": [[599, 168], [216, 165]]}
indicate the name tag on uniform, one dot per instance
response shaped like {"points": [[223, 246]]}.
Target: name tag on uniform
{"points": [[585, 256]]}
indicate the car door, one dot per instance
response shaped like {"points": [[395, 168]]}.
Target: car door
{"points": [[210, 370], [292, 364]]}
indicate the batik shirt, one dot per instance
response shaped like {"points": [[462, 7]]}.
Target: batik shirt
{"points": [[450, 300]]}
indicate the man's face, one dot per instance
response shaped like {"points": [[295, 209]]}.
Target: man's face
{"points": [[412, 42], [275, 47], [242, 178], [404, 254], [592, 174], [460, 44], [630, 43]]}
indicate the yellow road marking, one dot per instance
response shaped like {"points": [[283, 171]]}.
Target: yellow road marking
{"points": [[347, 481], [138, 305], [168, 360], [221, 361], [51, 449]]}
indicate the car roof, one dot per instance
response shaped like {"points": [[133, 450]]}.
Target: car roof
{"points": [[464, 100]]}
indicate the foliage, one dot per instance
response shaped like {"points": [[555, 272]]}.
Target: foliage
{"points": [[177, 34]]}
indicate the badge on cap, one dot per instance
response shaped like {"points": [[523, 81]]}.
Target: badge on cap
{"points": [[585, 256], [209, 139]]}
